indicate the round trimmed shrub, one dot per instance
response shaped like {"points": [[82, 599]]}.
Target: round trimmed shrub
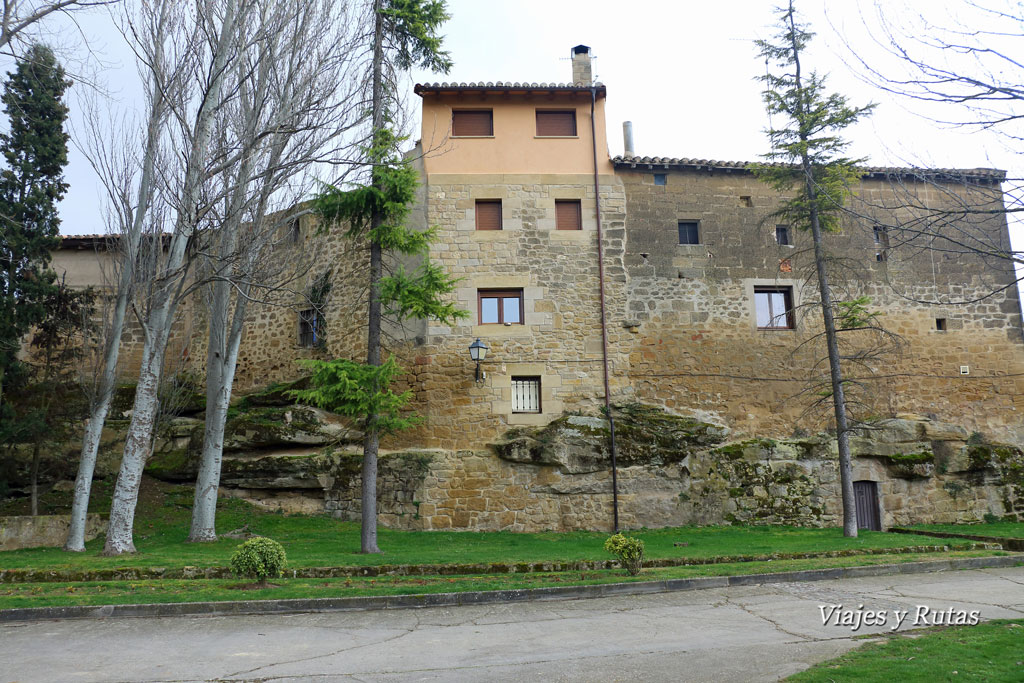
{"points": [[630, 552], [259, 558]]}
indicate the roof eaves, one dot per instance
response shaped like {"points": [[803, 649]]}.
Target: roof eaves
{"points": [[498, 87], [988, 174]]}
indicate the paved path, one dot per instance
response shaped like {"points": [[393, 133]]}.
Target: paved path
{"points": [[742, 633]]}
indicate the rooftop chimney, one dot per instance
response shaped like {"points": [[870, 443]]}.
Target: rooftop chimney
{"points": [[581, 69], [627, 139]]}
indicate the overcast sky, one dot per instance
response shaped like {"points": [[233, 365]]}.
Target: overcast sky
{"points": [[683, 72]]}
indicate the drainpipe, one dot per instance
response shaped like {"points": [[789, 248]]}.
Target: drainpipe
{"points": [[604, 321]]}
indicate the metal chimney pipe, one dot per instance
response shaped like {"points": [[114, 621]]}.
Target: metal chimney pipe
{"points": [[627, 138]]}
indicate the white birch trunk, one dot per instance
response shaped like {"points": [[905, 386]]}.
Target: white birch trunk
{"points": [[138, 442]]}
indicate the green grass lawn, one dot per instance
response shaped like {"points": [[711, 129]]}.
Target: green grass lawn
{"points": [[994, 529], [991, 651], [163, 514], [173, 590]]}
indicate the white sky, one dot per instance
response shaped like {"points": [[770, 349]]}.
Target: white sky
{"points": [[682, 71]]}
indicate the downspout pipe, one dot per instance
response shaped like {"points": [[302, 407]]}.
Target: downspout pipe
{"points": [[604, 319]]}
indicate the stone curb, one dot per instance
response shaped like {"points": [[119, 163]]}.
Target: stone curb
{"points": [[1016, 544], [489, 568], [300, 605]]}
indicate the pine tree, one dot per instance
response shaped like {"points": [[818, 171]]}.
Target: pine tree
{"points": [[807, 163], [405, 34], [31, 185]]}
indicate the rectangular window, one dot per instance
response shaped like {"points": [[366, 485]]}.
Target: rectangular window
{"points": [[782, 235], [774, 306], [568, 214], [881, 243], [556, 123], [311, 328], [940, 324], [488, 214], [526, 394], [504, 307], [472, 123], [660, 178], [689, 232]]}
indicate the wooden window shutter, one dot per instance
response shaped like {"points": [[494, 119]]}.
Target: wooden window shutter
{"points": [[568, 215], [476, 122], [556, 123], [488, 214]]}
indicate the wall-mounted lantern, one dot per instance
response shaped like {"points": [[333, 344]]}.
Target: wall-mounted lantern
{"points": [[478, 352]]}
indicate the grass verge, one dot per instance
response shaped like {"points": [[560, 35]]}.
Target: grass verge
{"points": [[990, 651], [217, 590], [163, 515]]}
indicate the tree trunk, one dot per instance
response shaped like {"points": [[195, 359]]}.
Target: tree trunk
{"points": [[204, 505], [368, 535], [836, 376], [137, 446], [831, 339], [83, 482], [34, 496], [220, 378]]}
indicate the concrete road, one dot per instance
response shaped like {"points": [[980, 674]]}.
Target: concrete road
{"points": [[750, 633]]}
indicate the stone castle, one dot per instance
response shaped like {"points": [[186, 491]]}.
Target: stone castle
{"points": [[693, 308]]}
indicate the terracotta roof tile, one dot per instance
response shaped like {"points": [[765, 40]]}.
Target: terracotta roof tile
{"points": [[875, 171]]}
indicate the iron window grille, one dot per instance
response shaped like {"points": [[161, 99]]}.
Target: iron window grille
{"points": [[312, 328], [526, 394]]}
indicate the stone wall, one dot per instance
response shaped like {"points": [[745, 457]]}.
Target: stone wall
{"points": [[672, 471], [44, 530], [698, 346], [557, 271]]}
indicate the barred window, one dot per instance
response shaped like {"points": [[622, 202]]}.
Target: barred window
{"points": [[311, 328], [526, 394]]}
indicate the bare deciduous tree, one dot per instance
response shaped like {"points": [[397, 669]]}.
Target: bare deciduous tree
{"points": [[206, 39], [290, 112]]}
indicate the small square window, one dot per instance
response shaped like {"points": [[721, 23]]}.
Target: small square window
{"points": [[940, 324], [774, 308], [689, 232], [502, 307], [660, 179], [526, 394], [311, 328], [488, 214], [472, 123], [782, 235], [568, 214], [556, 123]]}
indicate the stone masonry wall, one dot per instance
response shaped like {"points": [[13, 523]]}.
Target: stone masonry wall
{"points": [[698, 346]]}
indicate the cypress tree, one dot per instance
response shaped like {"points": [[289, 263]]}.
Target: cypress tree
{"points": [[32, 183]]}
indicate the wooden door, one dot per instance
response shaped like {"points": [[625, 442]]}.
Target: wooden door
{"points": [[866, 495]]}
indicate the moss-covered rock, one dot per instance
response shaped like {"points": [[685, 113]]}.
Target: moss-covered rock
{"points": [[273, 395], [579, 444], [267, 427]]}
